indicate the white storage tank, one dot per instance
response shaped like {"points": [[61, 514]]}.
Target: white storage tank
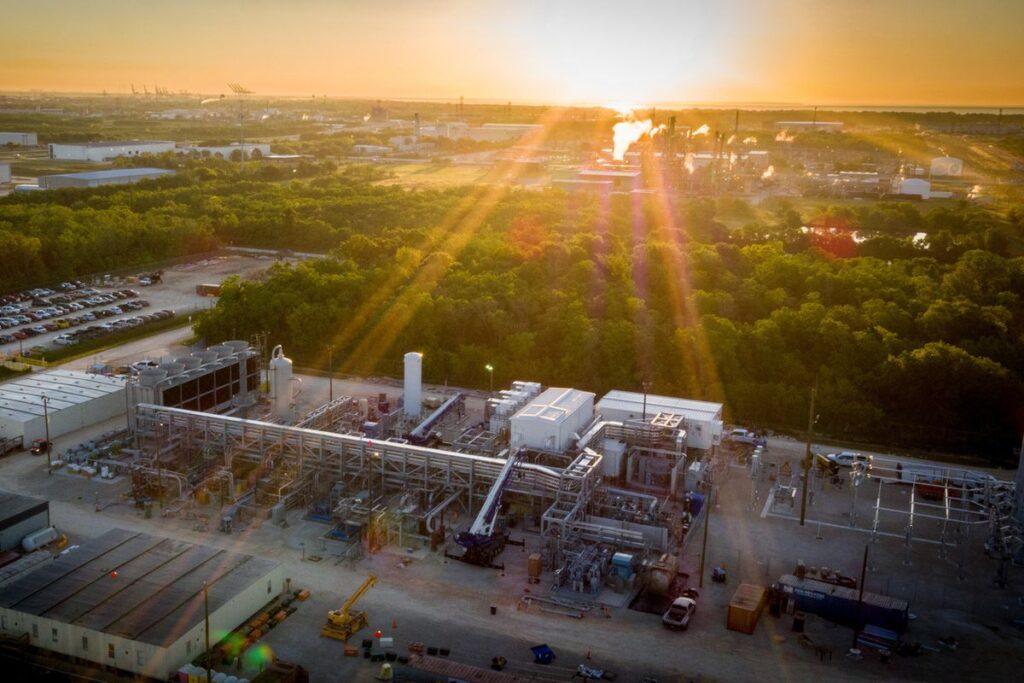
{"points": [[413, 384], [947, 166], [280, 382], [38, 539]]}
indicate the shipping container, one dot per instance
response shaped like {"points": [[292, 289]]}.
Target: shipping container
{"points": [[745, 608]]}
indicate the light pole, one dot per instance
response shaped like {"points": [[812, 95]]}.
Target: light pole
{"points": [[330, 372], [490, 371], [808, 456], [647, 387], [206, 621], [46, 425]]}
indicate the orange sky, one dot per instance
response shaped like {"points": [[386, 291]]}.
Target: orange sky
{"points": [[911, 52]]}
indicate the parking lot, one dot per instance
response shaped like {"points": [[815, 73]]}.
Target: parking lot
{"points": [[64, 314]]}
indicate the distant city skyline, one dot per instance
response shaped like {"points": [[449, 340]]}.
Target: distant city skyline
{"points": [[912, 53]]}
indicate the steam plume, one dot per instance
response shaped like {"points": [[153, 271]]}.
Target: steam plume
{"points": [[703, 130], [750, 141], [784, 136], [768, 173], [625, 133]]}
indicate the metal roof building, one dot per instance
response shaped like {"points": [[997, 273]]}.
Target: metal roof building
{"points": [[73, 400], [549, 421], [702, 419], [116, 176], [135, 601], [19, 516], [107, 150]]}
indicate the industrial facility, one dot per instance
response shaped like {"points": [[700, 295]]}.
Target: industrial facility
{"points": [[135, 602], [117, 176], [19, 139], [21, 516], [58, 402], [105, 151]]}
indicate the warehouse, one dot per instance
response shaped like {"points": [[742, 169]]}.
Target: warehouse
{"points": [[5, 173], [20, 516], [72, 400], [117, 176], [105, 151], [551, 421], [702, 420], [19, 139], [135, 602]]}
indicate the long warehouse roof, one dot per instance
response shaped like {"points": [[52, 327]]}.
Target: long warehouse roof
{"points": [[155, 596], [21, 400], [555, 405], [633, 402]]}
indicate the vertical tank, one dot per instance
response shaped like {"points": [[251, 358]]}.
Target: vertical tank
{"points": [[280, 382], [413, 384]]}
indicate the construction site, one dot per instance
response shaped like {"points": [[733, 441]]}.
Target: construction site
{"points": [[509, 528]]}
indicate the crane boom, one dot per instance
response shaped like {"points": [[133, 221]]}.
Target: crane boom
{"points": [[370, 582]]}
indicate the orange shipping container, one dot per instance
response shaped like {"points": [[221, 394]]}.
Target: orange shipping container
{"points": [[745, 608]]}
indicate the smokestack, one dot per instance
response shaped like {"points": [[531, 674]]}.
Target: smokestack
{"points": [[416, 126], [736, 126]]}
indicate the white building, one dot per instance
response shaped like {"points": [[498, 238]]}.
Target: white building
{"points": [[553, 420], [5, 173], [19, 139], [370, 150], [915, 187], [947, 166], [105, 151], [73, 400], [135, 602], [702, 420], [225, 151], [116, 176]]}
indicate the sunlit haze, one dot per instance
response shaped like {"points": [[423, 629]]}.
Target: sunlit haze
{"points": [[904, 52]]}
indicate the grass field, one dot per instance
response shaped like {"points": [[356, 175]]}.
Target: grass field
{"points": [[434, 176]]}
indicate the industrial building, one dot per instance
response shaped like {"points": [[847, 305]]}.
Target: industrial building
{"points": [[5, 173], [221, 377], [225, 151], [553, 420], [20, 516], [621, 180], [117, 176], [134, 602], [105, 151], [702, 420], [19, 139], [71, 400], [803, 126]]}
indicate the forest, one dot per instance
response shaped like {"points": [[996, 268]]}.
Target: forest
{"points": [[907, 323]]}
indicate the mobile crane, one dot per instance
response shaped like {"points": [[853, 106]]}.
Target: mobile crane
{"points": [[343, 623]]}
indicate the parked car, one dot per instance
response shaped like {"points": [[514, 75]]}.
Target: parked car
{"points": [[679, 614], [66, 340], [744, 436], [847, 458], [7, 339]]}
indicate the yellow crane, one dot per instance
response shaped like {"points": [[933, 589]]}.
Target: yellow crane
{"points": [[343, 623]]}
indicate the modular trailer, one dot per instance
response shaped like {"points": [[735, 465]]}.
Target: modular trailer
{"points": [[839, 604]]}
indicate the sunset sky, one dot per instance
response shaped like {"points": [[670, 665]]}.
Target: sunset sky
{"points": [[909, 52]]}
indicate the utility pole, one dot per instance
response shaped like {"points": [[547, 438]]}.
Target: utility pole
{"points": [[490, 371], [206, 620], [330, 372], [860, 598], [704, 544], [808, 457], [46, 424], [647, 387]]}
